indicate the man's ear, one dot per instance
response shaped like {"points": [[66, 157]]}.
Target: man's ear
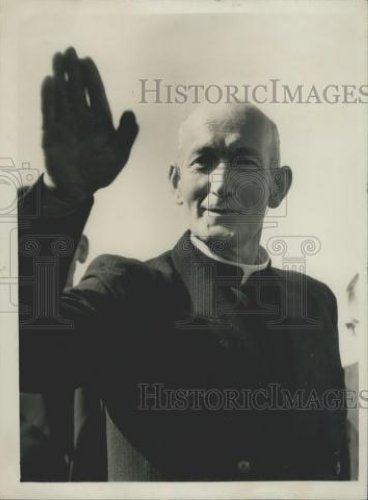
{"points": [[174, 178], [281, 179]]}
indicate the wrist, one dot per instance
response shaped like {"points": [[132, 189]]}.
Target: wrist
{"points": [[57, 202], [71, 196]]}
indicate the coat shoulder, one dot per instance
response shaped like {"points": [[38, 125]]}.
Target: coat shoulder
{"points": [[120, 274], [163, 264], [117, 264], [313, 285]]}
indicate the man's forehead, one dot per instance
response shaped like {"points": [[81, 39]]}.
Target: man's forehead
{"points": [[243, 123]]}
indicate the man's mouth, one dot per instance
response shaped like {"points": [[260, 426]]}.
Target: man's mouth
{"points": [[220, 211]]}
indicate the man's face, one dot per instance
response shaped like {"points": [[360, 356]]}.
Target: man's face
{"points": [[224, 173]]}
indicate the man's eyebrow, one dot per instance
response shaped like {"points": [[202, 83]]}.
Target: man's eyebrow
{"points": [[203, 150], [199, 151], [241, 150], [237, 152]]}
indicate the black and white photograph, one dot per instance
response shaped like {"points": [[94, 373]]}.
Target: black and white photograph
{"points": [[183, 249]]}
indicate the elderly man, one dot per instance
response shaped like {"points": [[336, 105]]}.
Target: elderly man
{"points": [[209, 363]]}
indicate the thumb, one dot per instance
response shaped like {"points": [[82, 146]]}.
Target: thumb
{"points": [[127, 132]]}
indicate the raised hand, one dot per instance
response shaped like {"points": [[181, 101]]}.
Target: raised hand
{"points": [[83, 150]]}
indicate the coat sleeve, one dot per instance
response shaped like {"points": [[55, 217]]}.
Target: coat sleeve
{"points": [[56, 340]]}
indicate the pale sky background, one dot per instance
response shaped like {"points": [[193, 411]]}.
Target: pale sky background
{"points": [[324, 144]]}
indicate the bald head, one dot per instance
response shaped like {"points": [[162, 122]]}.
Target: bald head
{"points": [[230, 124]]}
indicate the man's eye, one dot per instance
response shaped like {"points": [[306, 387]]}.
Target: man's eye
{"points": [[204, 162]]}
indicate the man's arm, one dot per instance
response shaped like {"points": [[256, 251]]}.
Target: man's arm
{"points": [[83, 152], [48, 227]]}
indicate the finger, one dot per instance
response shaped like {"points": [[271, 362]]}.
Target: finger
{"points": [[61, 100], [48, 102], [95, 87], [75, 85], [126, 133]]}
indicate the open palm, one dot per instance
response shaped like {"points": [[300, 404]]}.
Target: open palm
{"points": [[83, 150]]}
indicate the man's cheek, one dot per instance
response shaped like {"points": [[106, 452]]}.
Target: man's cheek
{"points": [[196, 196], [251, 196]]}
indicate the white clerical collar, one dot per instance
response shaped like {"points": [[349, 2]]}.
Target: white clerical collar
{"points": [[247, 269]]}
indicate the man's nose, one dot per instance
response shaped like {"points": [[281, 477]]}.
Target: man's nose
{"points": [[219, 182]]}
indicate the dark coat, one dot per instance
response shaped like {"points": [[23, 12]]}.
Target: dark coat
{"points": [[182, 321]]}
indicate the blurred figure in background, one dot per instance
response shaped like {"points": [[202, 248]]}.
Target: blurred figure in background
{"points": [[351, 324]]}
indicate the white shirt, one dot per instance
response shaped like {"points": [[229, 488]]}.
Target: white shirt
{"points": [[247, 269]]}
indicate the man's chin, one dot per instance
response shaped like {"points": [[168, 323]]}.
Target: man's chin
{"points": [[209, 233], [234, 233]]}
